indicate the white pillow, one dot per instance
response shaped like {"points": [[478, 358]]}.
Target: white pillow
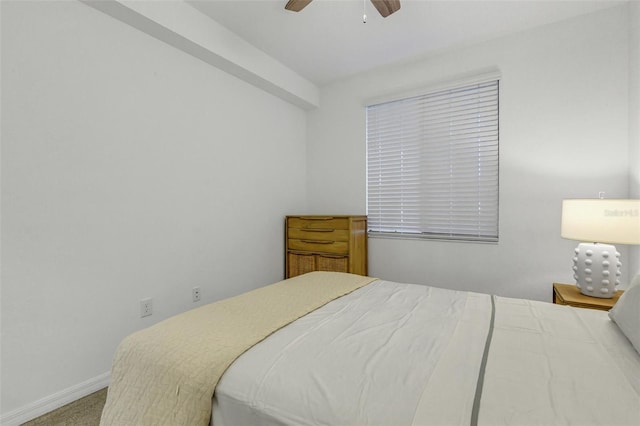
{"points": [[626, 313]]}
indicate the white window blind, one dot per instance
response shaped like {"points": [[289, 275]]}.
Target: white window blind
{"points": [[432, 165]]}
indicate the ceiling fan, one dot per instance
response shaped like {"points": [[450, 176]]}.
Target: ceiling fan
{"points": [[385, 7]]}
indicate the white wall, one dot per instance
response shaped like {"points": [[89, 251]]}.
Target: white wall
{"points": [[634, 119], [564, 134], [129, 170]]}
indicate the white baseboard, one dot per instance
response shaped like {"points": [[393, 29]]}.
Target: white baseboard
{"points": [[57, 400]]}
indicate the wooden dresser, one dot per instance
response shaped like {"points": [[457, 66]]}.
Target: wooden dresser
{"points": [[325, 243]]}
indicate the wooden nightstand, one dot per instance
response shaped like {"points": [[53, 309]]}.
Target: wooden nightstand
{"points": [[568, 294]]}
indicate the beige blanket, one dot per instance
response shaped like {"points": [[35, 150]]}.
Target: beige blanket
{"points": [[166, 374]]}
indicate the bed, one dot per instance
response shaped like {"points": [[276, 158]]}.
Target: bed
{"points": [[386, 353]]}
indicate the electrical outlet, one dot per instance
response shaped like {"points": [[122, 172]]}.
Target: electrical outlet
{"points": [[146, 307], [195, 294]]}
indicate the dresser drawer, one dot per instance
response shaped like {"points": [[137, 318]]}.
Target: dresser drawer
{"points": [[318, 222], [300, 263], [318, 234], [319, 246]]}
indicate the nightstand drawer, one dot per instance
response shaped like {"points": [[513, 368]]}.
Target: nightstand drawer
{"points": [[319, 246]]}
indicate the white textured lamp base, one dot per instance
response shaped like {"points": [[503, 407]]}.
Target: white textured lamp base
{"points": [[597, 269]]}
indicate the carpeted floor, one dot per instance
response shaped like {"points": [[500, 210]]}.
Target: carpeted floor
{"points": [[83, 412]]}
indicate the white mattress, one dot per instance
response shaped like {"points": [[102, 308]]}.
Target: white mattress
{"points": [[402, 354]]}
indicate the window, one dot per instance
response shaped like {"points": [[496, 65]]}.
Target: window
{"points": [[432, 165]]}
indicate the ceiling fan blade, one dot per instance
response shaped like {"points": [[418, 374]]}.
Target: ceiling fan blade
{"points": [[386, 7], [297, 5]]}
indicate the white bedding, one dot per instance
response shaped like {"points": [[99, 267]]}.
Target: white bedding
{"points": [[553, 365], [402, 354]]}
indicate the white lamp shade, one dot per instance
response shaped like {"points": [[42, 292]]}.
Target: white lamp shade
{"points": [[601, 220]]}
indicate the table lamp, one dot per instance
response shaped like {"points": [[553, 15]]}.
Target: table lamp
{"points": [[599, 223]]}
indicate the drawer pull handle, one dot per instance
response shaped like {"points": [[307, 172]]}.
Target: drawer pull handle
{"points": [[318, 229], [317, 242]]}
